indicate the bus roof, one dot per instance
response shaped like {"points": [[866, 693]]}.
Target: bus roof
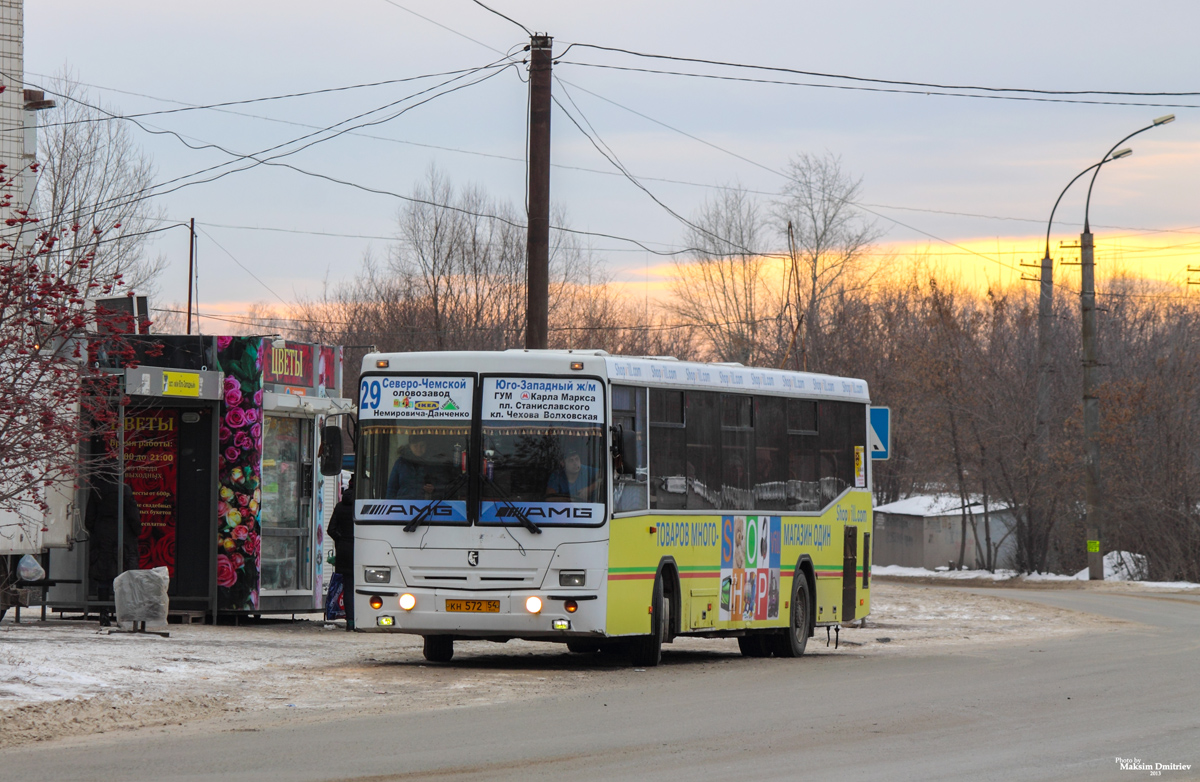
{"points": [[661, 371]]}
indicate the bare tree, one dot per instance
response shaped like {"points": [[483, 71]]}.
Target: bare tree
{"points": [[726, 289], [827, 235], [95, 182]]}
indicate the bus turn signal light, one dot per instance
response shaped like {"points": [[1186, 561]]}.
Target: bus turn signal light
{"points": [[376, 602], [407, 601], [571, 606]]}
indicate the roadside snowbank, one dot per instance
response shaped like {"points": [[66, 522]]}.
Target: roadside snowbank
{"points": [[1118, 566]]}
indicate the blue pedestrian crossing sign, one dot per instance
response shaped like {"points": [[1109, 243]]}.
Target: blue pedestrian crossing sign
{"points": [[879, 433]]}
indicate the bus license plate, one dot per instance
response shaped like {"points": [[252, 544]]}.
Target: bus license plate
{"points": [[474, 606]]}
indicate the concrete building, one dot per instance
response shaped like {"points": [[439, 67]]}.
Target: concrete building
{"points": [[12, 100], [926, 531], [18, 112]]}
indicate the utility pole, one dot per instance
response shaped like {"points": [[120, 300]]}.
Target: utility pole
{"points": [[537, 276], [1091, 408], [191, 264]]}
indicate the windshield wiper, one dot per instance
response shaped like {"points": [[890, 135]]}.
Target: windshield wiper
{"points": [[428, 510], [520, 514]]}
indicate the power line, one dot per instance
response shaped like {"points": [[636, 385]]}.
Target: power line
{"points": [[243, 267], [444, 27], [146, 193], [798, 72], [611, 157], [894, 82], [502, 16], [218, 106], [585, 169], [886, 90]]}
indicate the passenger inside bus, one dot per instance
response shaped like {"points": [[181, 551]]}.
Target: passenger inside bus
{"points": [[413, 477], [573, 481]]}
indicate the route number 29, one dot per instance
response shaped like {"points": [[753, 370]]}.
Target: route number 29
{"points": [[370, 395]]}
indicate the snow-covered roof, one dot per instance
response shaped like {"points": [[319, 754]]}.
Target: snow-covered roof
{"points": [[936, 505]]}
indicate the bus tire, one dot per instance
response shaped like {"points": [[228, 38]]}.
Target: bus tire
{"points": [[439, 648], [792, 641], [646, 651], [755, 645], [583, 647]]}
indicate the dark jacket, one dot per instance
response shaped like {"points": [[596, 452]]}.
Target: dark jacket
{"points": [[341, 530]]}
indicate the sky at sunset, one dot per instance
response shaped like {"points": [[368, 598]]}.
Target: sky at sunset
{"points": [[966, 183]]}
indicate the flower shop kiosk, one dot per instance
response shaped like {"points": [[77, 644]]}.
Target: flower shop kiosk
{"points": [[220, 445]]}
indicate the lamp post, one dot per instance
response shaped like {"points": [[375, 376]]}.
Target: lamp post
{"points": [[1045, 319], [1094, 518]]}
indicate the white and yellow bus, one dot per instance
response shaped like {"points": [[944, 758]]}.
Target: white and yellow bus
{"points": [[608, 502]]}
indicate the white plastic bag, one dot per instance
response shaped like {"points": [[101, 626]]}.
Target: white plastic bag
{"points": [[29, 569], [141, 596]]}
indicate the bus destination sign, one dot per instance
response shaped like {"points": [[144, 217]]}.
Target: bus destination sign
{"points": [[415, 397], [543, 399]]}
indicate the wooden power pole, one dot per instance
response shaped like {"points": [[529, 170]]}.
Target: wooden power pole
{"points": [[537, 280]]}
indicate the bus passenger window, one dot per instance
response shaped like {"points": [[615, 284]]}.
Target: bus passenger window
{"points": [[630, 469], [771, 453], [668, 450], [737, 452], [703, 451]]}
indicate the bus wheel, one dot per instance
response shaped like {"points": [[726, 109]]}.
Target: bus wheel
{"points": [[791, 642], [583, 647], [439, 648], [646, 651], [756, 645]]}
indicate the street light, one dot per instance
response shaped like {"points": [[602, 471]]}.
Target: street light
{"points": [[1093, 521], [1045, 319]]}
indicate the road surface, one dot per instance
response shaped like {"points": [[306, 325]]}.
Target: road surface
{"points": [[1062, 708]]}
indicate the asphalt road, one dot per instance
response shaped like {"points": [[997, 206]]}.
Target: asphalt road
{"points": [[1059, 709]]}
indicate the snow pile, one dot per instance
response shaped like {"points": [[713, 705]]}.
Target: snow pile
{"points": [[1121, 566], [1118, 566]]}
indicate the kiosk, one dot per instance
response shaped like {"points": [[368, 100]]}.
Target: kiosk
{"points": [[218, 438]]}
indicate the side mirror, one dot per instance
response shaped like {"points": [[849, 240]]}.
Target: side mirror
{"points": [[629, 452], [331, 450]]}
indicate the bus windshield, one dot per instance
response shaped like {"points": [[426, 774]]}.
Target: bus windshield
{"points": [[543, 450], [413, 448], [537, 463], [417, 461]]}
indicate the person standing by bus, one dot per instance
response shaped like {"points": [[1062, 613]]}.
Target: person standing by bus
{"points": [[341, 529]]}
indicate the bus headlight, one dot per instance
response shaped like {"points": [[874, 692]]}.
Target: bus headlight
{"points": [[533, 604], [377, 575], [572, 578], [407, 601]]}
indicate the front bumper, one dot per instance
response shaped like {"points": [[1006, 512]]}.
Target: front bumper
{"points": [[430, 617]]}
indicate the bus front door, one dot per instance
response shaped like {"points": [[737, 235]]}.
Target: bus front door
{"points": [[849, 574]]}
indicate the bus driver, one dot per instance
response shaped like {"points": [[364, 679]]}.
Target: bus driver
{"points": [[573, 481], [412, 477]]}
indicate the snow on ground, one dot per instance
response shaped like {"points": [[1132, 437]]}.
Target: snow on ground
{"points": [[70, 677], [1120, 566]]}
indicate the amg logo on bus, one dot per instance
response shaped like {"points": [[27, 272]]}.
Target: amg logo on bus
{"points": [[545, 513], [400, 508]]}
